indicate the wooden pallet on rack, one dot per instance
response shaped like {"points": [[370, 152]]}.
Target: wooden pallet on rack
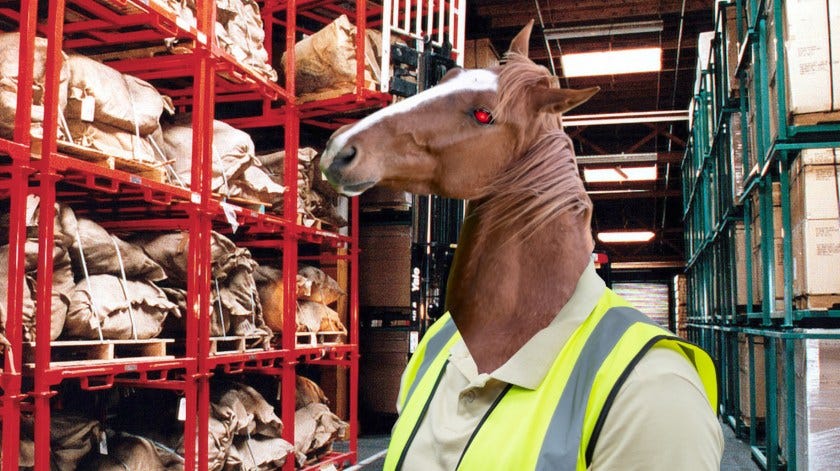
{"points": [[315, 339], [99, 350], [817, 301], [113, 161], [237, 344], [308, 221], [337, 91], [809, 119]]}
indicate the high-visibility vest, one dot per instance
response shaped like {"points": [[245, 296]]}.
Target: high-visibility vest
{"points": [[554, 427]]}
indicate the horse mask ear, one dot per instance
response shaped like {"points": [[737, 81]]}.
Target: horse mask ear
{"points": [[559, 100], [519, 45]]}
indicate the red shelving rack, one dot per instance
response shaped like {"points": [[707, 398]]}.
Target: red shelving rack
{"points": [[198, 80]]}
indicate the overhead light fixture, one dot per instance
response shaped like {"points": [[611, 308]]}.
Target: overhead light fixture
{"points": [[616, 158], [621, 61], [625, 118], [619, 174], [594, 31], [620, 237]]}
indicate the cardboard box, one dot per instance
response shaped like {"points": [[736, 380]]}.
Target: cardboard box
{"points": [[811, 42], [816, 372], [385, 266], [733, 47], [816, 257], [813, 192], [744, 378]]}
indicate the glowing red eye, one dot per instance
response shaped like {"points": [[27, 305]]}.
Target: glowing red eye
{"points": [[483, 116]]}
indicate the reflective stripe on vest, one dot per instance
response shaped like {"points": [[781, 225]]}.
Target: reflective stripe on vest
{"points": [[550, 427]]}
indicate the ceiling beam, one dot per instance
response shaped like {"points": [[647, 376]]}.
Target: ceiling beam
{"points": [[648, 265], [558, 13], [633, 194]]}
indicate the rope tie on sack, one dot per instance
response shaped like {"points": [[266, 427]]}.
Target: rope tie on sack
{"points": [[223, 168], [248, 444], [93, 303], [134, 119], [124, 285], [219, 302], [167, 164]]}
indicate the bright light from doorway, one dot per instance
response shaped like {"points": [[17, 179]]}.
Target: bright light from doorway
{"points": [[619, 237], [623, 61], [619, 174]]}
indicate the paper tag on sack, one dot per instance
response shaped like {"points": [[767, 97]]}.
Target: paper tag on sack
{"points": [[103, 443], [230, 215], [413, 341], [88, 109], [182, 409], [32, 203]]}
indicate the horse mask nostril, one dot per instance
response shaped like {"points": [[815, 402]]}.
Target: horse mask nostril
{"points": [[345, 156]]}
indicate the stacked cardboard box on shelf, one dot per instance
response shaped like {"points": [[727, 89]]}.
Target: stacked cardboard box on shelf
{"points": [[733, 47], [740, 266], [680, 303], [811, 32], [744, 378], [385, 266], [816, 367], [736, 156], [815, 183]]}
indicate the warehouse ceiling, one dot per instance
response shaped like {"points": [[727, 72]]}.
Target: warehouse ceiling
{"points": [[646, 205]]}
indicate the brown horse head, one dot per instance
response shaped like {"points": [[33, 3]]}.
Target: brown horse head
{"points": [[453, 139]]}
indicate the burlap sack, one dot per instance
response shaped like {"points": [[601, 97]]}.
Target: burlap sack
{"points": [[257, 454], [122, 101], [28, 307], [111, 140], [271, 292], [307, 392], [131, 452], [326, 58], [112, 303], [71, 438], [316, 317], [233, 156], [9, 68], [316, 428], [324, 289], [101, 257], [245, 36]]}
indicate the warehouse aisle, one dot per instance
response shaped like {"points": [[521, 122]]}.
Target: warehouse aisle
{"points": [[736, 454]]}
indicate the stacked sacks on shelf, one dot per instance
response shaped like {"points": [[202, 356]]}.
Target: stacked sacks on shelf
{"points": [[112, 112], [115, 293], [239, 31], [127, 451], [315, 290], [62, 280], [316, 427], [9, 70], [236, 309], [236, 171], [72, 436], [316, 197], [326, 60]]}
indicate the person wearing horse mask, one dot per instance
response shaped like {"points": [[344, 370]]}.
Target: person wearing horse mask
{"points": [[536, 365]]}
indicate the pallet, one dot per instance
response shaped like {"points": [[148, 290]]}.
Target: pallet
{"points": [[110, 161], [339, 90], [383, 208], [809, 119], [237, 344], [308, 221], [817, 301], [95, 350], [315, 339], [246, 203], [168, 48]]}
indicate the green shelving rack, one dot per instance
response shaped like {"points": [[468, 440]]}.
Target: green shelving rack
{"points": [[745, 84]]}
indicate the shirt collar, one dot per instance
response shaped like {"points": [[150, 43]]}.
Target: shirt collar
{"points": [[530, 364]]}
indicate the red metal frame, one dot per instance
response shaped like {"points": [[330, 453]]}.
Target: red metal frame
{"points": [[125, 202]]}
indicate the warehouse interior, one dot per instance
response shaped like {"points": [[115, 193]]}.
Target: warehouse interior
{"points": [[164, 218]]}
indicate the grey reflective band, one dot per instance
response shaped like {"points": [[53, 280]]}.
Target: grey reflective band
{"points": [[561, 444], [433, 349]]}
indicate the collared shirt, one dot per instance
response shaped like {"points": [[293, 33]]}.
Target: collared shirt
{"points": [[660, 419]]}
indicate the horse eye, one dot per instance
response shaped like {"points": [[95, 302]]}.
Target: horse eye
{"points": [[483, 116]]}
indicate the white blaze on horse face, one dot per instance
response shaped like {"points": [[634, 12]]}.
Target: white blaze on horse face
{"points": [[472, 80]]}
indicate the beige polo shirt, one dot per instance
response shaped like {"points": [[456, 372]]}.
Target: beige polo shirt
{"points": [[660, 420]]}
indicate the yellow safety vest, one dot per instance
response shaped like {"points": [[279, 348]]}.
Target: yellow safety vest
{"points": [[554, 427]]}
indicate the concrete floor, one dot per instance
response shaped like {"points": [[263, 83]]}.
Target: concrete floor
{"points": [[736, 454]]}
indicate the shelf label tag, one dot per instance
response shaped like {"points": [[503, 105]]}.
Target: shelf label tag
{"points": [[182, 409], [413, 340], [103, 443], [230, 215], [88, 109], [195, 198], [201, 37]]}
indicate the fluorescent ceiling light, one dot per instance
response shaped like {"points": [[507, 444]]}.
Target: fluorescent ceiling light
{"points": [[616, 158], [619, 174], [618, 237], [593, 31], [624, 61]]}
